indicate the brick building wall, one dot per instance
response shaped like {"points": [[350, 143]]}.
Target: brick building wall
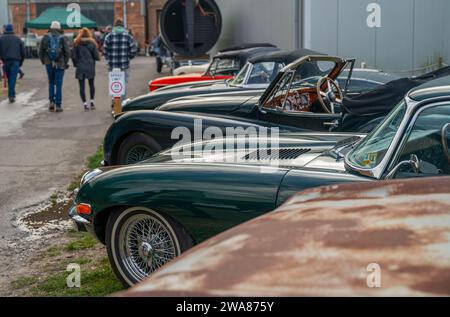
{"points": [[18, 14], [154, 7], [142, 15], [135, 18]]}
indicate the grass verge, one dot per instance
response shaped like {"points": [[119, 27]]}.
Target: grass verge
{"points": [[94, 161], [96, 276]]}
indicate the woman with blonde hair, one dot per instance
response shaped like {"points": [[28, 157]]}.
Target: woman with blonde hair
{"points": [[84, 56]]}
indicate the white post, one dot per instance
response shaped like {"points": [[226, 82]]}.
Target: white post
{"points": [[125, 22], [28, 10]]}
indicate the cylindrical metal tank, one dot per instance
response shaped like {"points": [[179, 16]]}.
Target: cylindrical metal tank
{"points": [[190, 27]]}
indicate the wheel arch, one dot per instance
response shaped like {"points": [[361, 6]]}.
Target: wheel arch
{"points": [[116, 146], [101, 219]]}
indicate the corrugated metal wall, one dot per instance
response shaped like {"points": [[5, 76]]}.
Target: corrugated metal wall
{"points": [[414, 33], [446, 39], [257, 21]]}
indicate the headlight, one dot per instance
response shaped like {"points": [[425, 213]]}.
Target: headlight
{"points": [[89, 176]]}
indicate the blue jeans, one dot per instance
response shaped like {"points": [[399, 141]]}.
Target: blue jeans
{"points": [[11, 69], [55, 82]]}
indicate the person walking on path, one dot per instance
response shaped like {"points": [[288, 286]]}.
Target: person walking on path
{"points": [[12, 54], [105, 32], [20, 72], [119, 48], [84, 56], [54, 53]]}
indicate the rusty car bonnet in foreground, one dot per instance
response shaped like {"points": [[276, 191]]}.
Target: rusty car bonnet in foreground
{"points": [[322, 243]]}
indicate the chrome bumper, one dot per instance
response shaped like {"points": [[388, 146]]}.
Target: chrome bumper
{"points": [[79, 221]]}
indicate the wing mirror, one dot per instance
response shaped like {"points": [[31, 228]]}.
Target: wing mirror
{"points": [[413, 163], [445, 139]]}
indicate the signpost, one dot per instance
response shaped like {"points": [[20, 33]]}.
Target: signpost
{"points": [[117, 88]]}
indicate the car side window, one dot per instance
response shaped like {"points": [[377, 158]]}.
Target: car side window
{"points": [[425, 141]]}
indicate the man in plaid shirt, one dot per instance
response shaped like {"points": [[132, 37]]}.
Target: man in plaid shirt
{"points": [[119, 48]]}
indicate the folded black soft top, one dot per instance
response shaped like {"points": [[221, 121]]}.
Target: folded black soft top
{"points": [[384, 98]]}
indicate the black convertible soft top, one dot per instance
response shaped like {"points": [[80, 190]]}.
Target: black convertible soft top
{"points": [[384, 98], [245, 46], [285, 57], [244, 55]]}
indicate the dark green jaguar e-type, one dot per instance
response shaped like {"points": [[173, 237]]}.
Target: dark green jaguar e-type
{"points": [[149, 213]]}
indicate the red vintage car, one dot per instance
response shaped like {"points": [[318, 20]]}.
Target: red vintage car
{"points": [[224, 65]]}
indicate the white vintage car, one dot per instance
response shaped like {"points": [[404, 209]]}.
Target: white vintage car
{"points": [[191, 69]]}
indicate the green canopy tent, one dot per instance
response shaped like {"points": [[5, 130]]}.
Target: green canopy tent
{"points": [[57, 14]]}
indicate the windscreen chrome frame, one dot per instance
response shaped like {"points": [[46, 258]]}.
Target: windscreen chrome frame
{"points": [[292, 67], [379, 170]]}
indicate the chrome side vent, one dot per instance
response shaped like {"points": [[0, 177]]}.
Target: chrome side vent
{"points": [[278, 154]]}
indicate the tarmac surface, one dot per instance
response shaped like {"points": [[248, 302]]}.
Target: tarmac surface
{"points": [[42, 152]]}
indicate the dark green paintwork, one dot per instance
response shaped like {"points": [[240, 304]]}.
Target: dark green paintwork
{"points": [[209, 198], [205, 199]]}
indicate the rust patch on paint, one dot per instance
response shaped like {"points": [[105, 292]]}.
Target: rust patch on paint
{"points": [[321, 242], [371, 239]]}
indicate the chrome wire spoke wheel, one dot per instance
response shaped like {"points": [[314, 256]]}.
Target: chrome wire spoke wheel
{"points": [[145, 244], [138, 154]]}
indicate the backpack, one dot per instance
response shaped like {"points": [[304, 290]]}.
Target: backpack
{"points": [[54, 47]]}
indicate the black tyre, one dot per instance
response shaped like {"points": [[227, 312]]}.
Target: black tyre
{"points": [[159, 64], [139, 241], [136, 148]]}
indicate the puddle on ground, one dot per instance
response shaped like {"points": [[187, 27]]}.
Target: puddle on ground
{"points": [[57, 211], [46, 218]]}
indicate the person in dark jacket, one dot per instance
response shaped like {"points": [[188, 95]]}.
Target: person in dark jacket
{"points": [[84, 56], [119, 48], [12, 53], [54, 53]]}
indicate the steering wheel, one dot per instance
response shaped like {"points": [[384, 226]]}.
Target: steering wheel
{"points": [[332, 95]]}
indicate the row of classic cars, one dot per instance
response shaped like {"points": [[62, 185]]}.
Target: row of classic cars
{"points": [[150, 212], [224, 65], [253, 80], [247, 81], [304, 96]]}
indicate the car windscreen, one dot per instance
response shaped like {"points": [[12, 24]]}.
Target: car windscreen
{"points": [[264, 73], [260, 74], [305, 76], [371, 151], [239, 80]]}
